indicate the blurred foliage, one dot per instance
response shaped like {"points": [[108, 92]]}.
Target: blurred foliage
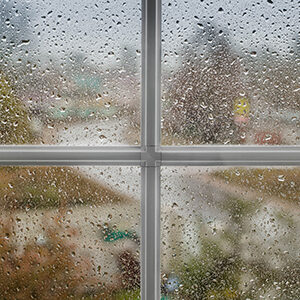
{"points": [[213, 273], [47, 268], [282, 183], [221, 270], [15, 123], [127, 295], [112, 294], [130, 270], [51, 187], [239, 209], [200, 98], [44, 270]]}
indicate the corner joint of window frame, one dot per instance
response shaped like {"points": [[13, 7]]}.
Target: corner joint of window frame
{"points": [[151, 157]]}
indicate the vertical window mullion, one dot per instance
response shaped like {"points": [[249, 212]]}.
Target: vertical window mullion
{"points": [[150, 233], [150, 250]]}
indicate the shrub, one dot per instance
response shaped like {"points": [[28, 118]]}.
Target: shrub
{"points": [[44, 270]]}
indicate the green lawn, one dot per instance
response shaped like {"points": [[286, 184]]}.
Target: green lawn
{"points": [[281, 183]]}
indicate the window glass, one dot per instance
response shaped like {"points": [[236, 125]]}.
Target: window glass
{"points": [[230, 72], [70, 233], [70, 72], [230, 233]]}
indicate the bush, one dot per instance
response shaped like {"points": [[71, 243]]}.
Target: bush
{"points": [[214, 273], [39, 270]]}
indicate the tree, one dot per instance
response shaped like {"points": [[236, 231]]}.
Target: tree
{"points": [[199, 103], [14, 119]]}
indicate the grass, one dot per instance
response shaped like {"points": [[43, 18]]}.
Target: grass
{"points": [[128, 295], [113, 295], [281, 183], [51, 187]]}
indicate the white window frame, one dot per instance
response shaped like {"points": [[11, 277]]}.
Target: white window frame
{"points": [[150, 156]]}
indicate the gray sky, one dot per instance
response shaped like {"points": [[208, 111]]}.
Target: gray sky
{"points": [[99, 29], [252, 25]]}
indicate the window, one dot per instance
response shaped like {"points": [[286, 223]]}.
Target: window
{"points": [[214, 140]]}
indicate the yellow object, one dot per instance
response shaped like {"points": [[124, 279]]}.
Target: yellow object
{"points": [[242, 107]]}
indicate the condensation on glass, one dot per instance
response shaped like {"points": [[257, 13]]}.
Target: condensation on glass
{"points": [[70, 233], [230, 72], [70, 72], [230, 233]]}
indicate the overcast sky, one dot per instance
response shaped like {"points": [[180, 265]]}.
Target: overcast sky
{"points": [[99, 29], [253, 25]]}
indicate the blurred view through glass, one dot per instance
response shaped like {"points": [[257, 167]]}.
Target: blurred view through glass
{"points": [[70, 75], [230, 233], [230, 72], [70, 72], [70, 233]]}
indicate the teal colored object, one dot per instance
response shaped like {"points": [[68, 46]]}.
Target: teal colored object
{"points": [[110, 235], [88, 82], [163, 297], [61, 114]]}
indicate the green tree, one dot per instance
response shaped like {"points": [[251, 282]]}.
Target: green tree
{"points": [[14, 118]]}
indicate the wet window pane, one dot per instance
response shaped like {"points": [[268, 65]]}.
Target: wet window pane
{"points": [[230, 233], [70, 72], [70, 233], [230, 72]]}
